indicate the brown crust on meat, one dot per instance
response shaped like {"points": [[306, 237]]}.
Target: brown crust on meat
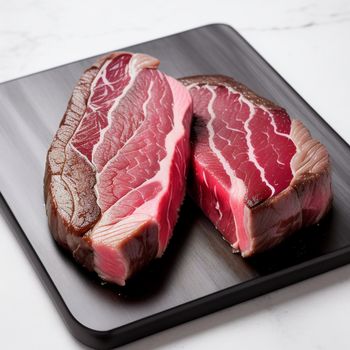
{"points": [[312, 170], [221, 80], [70, 178], [312, 179], [311, 157], [69, 223], [312, 176]]}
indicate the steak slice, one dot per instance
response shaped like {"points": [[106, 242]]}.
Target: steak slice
{"points": [[116, 169], [256, 174]]}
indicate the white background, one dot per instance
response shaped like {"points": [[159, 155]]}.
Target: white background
{"points": [[308, 42]]}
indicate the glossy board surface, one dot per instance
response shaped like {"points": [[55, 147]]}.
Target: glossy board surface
{"points": [[198, 273]]}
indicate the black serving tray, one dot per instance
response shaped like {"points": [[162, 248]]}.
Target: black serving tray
{"points": [[198, 273]]}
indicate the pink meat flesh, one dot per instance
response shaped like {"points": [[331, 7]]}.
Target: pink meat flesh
{"points": [[135, 134], [242, 173]]}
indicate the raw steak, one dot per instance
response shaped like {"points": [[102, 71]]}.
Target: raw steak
{"points": [[116, 169], [256, 174]]}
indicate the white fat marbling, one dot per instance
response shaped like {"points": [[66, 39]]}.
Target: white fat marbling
{"points": [[308, 42]]}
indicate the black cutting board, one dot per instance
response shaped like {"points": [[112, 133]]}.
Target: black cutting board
{"points": [[198, 273]]}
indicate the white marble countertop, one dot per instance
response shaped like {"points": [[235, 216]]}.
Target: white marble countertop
{"points": [[308, 42]]}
